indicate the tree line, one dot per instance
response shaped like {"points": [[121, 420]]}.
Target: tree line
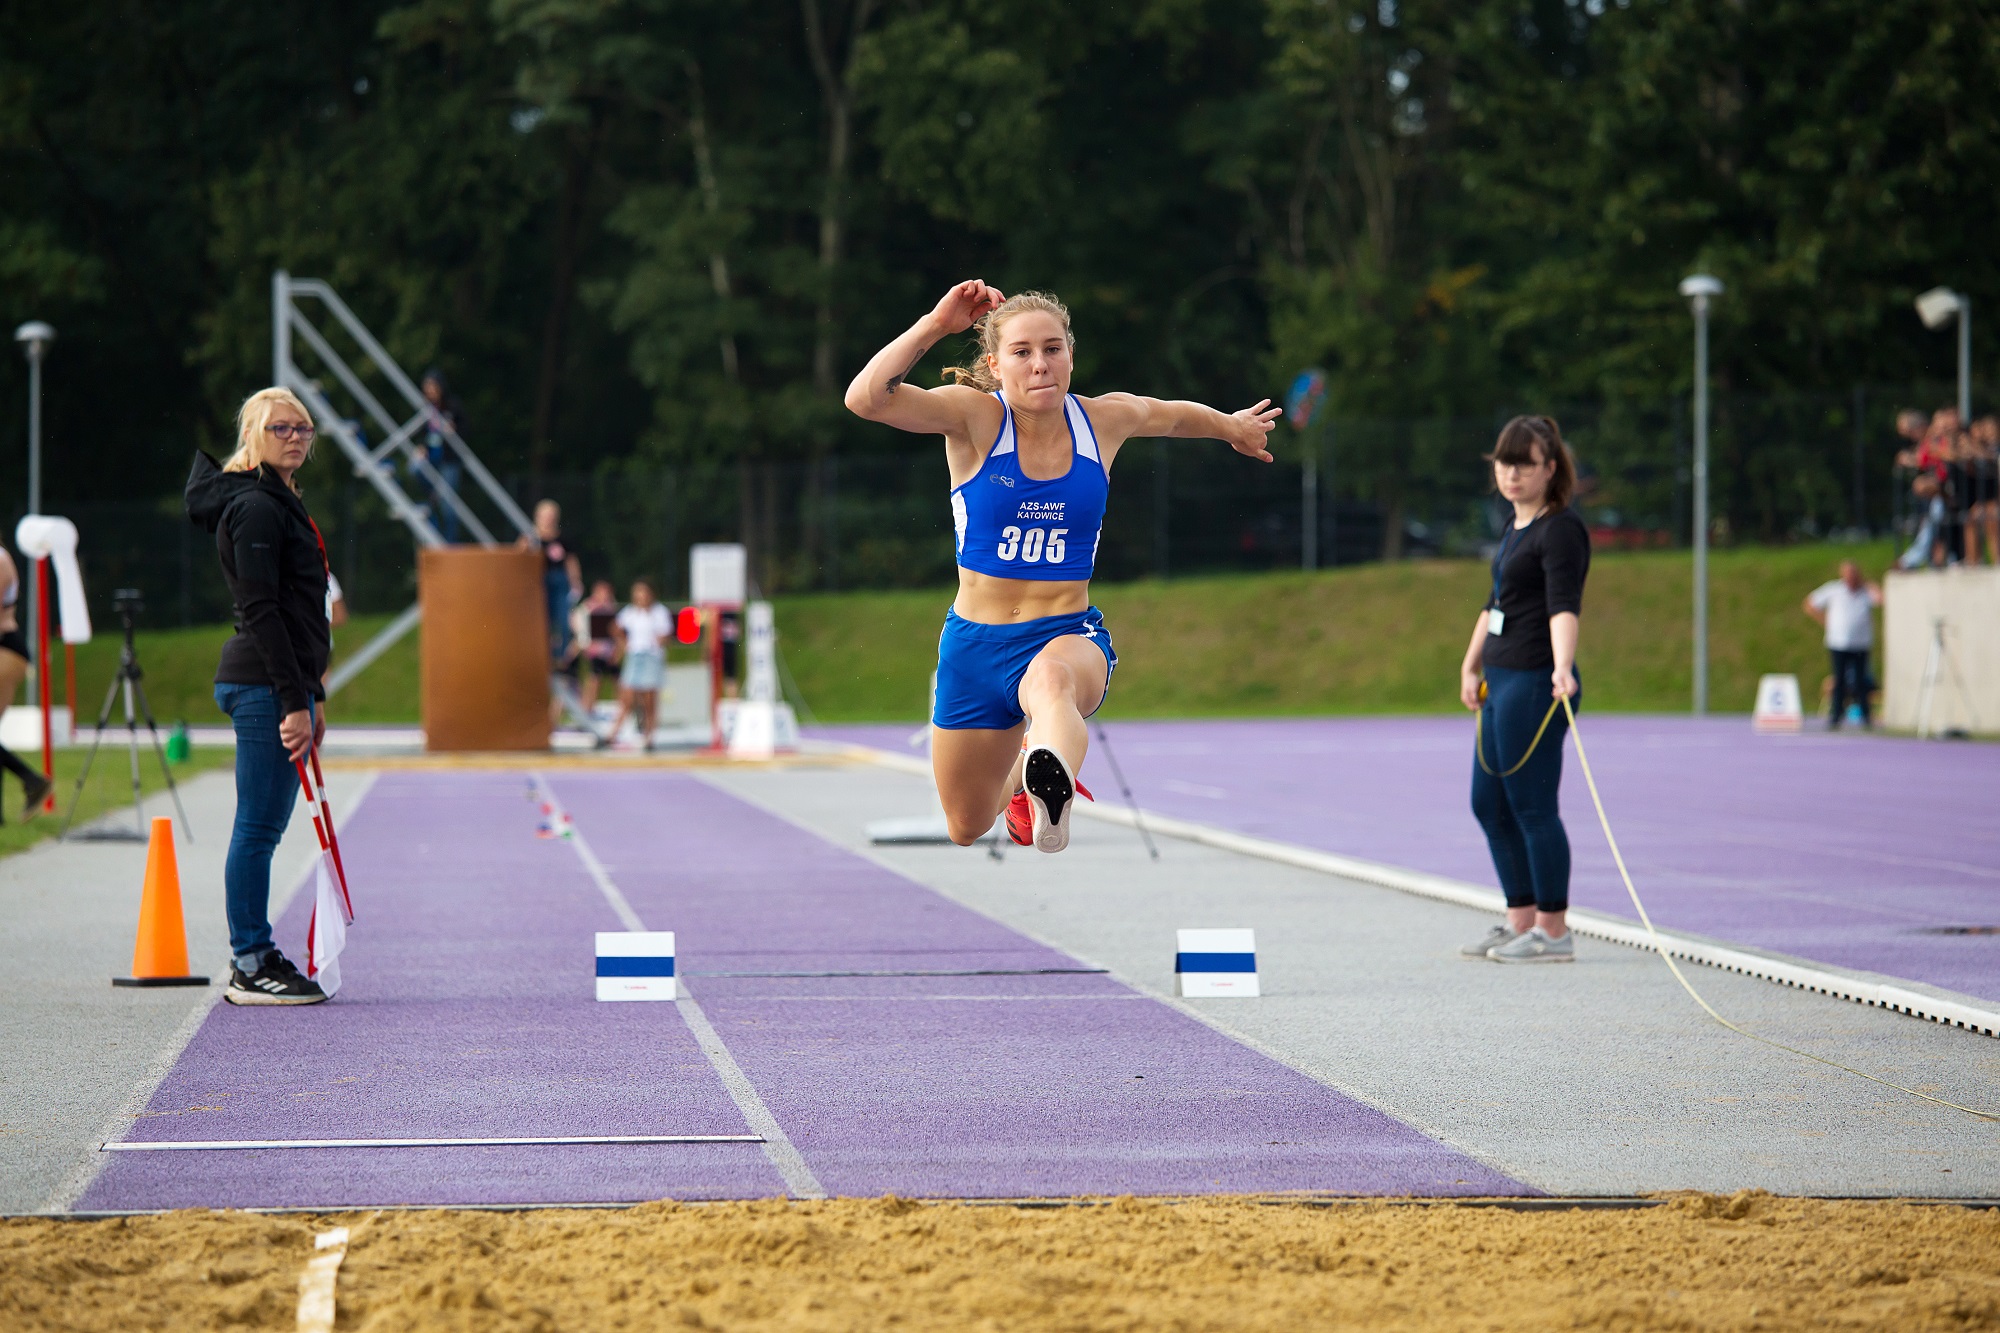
{"points": [[668, 230]]}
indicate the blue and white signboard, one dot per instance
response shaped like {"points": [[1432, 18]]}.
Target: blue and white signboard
{"points": [[635, 965], [1211, 963]]}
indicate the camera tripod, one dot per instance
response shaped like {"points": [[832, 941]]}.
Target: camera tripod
{"points": [[1937, 665], [127, 603]]}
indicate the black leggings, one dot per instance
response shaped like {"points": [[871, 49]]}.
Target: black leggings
{"points": [[1850, 684], [1514, 790]]}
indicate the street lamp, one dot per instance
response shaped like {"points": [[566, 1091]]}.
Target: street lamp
{"points": [[1936, 307], [1699, 289], [35, 337]]}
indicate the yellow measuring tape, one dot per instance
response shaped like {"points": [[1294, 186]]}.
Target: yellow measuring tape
{"points": [[1666, 957], [1479, 736]]}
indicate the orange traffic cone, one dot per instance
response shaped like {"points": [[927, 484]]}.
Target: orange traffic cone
{"points": [[160, 954]]}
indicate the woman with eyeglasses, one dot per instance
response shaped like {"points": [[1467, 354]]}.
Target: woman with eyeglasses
{"points": [[269, 677], [1518, 669]]}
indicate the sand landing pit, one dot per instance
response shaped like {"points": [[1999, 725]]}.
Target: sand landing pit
{"points": [[1699, 1261]]}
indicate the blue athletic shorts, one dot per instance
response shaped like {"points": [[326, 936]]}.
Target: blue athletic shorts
{"points": [[980, 666]]}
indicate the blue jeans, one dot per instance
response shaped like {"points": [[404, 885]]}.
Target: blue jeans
{"points": [[443, 516], [1519, 811], [556, 590], [266, 787]]}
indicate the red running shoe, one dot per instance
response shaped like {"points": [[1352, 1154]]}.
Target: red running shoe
{"points": [[1020, 820]]}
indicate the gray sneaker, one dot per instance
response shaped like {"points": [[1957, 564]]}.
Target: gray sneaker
{"points": [[1536, 947], [1492, 939]]}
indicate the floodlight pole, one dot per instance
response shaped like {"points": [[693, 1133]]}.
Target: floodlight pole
{"points": [[281, 325], [1699, 289], [34, 338]]}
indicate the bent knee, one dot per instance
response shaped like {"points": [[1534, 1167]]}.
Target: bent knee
{"points": [[1048, 678], [965, 832]]}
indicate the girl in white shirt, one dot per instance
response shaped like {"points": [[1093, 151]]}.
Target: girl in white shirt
{"points": [[640, 632]]}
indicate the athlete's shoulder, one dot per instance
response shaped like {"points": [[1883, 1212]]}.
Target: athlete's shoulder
{"points": [[977, 407], [1115, 412]]}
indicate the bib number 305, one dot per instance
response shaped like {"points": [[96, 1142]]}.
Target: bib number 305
{"points": [[1035, 546]]}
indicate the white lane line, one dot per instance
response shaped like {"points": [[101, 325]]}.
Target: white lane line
{"points": [[778, 1147], [79, 1177], [791, 1164], [772, 998], [212, 1145], [317, 1282]]}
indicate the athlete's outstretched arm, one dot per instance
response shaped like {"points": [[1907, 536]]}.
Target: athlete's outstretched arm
{"points": [[879, 393], [1124, 416]]}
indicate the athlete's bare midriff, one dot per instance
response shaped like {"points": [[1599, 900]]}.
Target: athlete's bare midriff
{"points": [[987, 600]]}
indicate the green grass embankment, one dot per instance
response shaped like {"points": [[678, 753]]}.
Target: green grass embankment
{"points": [[179, 667], [1364, 639]]}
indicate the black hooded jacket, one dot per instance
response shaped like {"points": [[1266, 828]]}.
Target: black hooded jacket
{"points": [[272, 559]]}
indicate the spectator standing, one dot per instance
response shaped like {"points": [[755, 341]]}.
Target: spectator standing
{"points": [[641, 630], [600, 616], [1846, 607], [1937, 459], [562, 575], [442, 412], [1927, 487], [1982, 518]]}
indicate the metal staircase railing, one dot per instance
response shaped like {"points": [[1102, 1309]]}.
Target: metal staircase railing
{"points": [[375, 465]]}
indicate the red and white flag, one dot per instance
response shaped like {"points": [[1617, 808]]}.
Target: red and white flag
{"points": [[333, 909], [326, 934]]}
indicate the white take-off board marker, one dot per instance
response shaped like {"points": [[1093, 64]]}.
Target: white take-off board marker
{"points": [[635, 965], [1215, 962], [1778, 705]]}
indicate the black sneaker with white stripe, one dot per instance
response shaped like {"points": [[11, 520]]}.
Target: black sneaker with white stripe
{"points": [[276, 982]]}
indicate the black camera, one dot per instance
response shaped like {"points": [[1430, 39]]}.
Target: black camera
{"points": [[128, 602]]}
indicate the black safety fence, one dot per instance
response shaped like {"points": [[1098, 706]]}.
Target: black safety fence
{"points": [[1342, 491]]}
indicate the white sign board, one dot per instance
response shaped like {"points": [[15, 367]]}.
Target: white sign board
{"points": [[1211, 963], [760, 681], [752, 730], [1778, 707], [718, 574], [635, 965]]}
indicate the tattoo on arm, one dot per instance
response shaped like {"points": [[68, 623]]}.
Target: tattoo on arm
{"points": [[896, 380]]}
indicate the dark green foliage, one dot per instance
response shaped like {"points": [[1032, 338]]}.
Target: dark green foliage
{"points": [[666, 232]]}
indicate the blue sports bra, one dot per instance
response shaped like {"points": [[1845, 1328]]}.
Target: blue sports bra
{"points": [[1014, 527]]}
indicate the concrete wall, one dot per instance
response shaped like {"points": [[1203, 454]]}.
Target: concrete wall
{"points": [[1967, 693]]}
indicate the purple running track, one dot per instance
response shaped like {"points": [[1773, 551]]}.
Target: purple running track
{"points": [[1861, 851], [468, 1011]]}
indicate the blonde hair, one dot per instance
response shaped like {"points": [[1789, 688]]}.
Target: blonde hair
{"points": [[978, 372], [251, 418]]}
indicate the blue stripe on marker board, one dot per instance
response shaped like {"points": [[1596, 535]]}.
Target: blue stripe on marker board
{"points": [[634, 967], [1215, 962]]}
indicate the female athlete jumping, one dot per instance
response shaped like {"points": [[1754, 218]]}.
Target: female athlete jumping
{"points": [[1024, 657]]}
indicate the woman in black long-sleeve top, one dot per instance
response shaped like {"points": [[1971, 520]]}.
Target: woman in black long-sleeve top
{"points": [[269, 678], [1519, 667]]}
